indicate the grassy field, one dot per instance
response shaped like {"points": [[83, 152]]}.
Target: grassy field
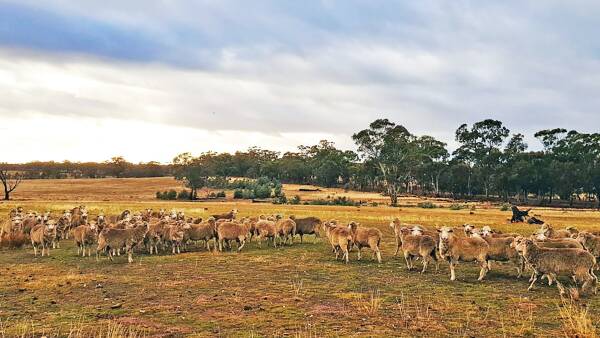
{"points": [[298, 291]]}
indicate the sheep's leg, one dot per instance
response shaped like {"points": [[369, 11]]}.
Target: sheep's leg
{"points": [[378, 255], [243, 241], [489, 265], [130, 254], [452, 273], [484, 269], [407, 258], [35, 250], [78, 249], [397, 247], [346, 254], [301, 241], [426, 260], [220, 245], [534, 278], [359, 253], [179, 248], [520, 268]]}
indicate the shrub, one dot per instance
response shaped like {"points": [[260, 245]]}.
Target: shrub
{"points": [[238, 194], [159, 195], [183, 195], [221, 194], [505, 207], [171, 194], [262, 191], [456, 206], [374, 204], [281, 199], [295, 200], [426, 205], [341, 201]]}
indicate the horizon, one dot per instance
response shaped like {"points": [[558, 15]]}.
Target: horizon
{"points": [[86, 82]]}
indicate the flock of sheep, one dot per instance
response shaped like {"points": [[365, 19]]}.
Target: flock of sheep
{"points": [[547, 253]]}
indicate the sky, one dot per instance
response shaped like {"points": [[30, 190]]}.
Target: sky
{"points": [[147, 80]]}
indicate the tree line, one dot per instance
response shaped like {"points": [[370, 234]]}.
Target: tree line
{"points": [[489, 163]]}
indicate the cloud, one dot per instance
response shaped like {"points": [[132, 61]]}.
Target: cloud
{"points": [[287, 73]]}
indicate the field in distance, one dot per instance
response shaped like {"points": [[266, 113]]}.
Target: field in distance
{"points": [[297, 290]]}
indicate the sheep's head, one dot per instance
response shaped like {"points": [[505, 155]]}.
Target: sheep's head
{"points": [[468, 229], [524, 245], [51, 225], [446, 233], [516, 241], [584, 238], [417, 230], [19, 209], [84, 216], [404, 231], [486, 231], [572, 230], [395, 223], [353, 226], [540, 236]]}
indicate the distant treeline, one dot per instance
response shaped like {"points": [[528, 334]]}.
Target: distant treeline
{"points": [[490, 163], [115, 167]]}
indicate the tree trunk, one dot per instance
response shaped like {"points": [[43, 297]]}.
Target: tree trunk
{"points": [[393, 192]]}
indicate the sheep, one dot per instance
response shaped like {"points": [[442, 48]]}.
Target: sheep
{"points": [[79, 219], [43, 235], [229, 215], [286, 229], [158, 214], [366, 237], [417, 246], [29, 222], [469, 230], [266, 230], [546, 242], [11, 225], [121, 238], [548, 231], [174, 235], [306, 226], [85, 236], [64, 225], [203, 232], [467, 249], [232, 231], [553, 262], [501, 250], [156, 233], [487, 231], [590, 242], [340, 238]]}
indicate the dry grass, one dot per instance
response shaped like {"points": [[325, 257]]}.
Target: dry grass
{"points": [[297, 290], [576, 320]]}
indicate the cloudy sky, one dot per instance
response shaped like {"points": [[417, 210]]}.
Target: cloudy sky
{"points": [[87, 80]]}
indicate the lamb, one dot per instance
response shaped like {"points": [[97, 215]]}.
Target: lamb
{"points": [[306, 226], [266, 230], [85, 236], [417, 246], [340, 238], [43, 235], [232, 231], [229, 215], [467, 249], [366, 237], [286, 229], [110, 239], [203, 232], [574, 262]]}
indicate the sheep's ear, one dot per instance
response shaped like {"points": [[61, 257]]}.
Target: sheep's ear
{"points": [[450, 230], [438, 230]]}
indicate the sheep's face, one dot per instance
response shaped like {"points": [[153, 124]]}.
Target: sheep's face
{"points": [[445, 232], [417, 231], [541, 236], [101, 218], [19, 209], [468, 229], [51, 225], [584, 238], [516, 241], [93, 227], [404, 231], [524, 245]]}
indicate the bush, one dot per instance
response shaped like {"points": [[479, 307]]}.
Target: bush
{"points": [[238, 194], [281, 199], [171, 195], [341, 201], [262, 191], [426, 205], [505, 207], [374, 204], [221, 194], [167, 195], [183, 195], [295, 200], [456, 206]]}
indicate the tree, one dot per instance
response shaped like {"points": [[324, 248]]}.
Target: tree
{"points": [[10, 182], [480, 148], [193, 171], [390, 148]]}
